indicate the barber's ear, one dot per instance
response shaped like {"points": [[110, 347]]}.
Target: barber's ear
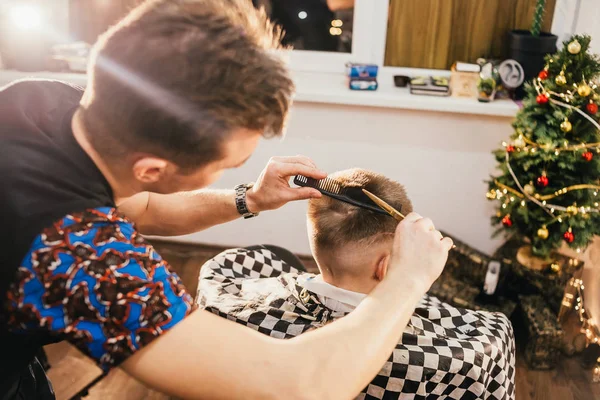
{"points": [[150, 169], [382, 267]]}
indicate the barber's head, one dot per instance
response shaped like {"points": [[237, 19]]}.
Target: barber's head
{"points": [[181, 90], [352, 245]]}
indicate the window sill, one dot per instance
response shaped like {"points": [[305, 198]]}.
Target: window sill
{"points": [[333, 89], [329, 88]]}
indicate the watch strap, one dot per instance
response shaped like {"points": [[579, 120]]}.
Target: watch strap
{"points": [[240, 200]]}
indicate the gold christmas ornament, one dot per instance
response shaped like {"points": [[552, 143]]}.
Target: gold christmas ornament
{"points": [[543, 233], [491, 194], [555, 267], [529, 189], [572, 210], [566, 126], [561, 79], [519, 142], [584, 90], [574, 47], [498, 214]]}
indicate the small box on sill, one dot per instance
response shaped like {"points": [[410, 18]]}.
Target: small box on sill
{"points": [[363, 84], [356, 70], [465, 77]]}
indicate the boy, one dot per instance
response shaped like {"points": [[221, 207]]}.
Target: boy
{"points": [[446, 352]]}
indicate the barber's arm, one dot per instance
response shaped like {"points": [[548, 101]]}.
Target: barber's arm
{"points": [[206, 356], [189, 212]]}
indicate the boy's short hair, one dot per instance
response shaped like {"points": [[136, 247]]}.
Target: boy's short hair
{"points": [[174, 78], [336, 224]]}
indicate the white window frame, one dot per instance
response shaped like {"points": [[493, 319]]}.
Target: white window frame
{"points": [[367, 21], [370, 34]]}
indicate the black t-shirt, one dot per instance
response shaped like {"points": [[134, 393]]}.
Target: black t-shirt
{"points": [[67, 258], [45, 173]]}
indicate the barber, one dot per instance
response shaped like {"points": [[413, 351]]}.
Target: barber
{"points": [[177, 93]]}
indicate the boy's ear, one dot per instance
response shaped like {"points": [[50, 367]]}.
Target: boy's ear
{"points": [[382, 266]]}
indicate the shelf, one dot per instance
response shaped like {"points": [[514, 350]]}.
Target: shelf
{"points": [[328, 88]]}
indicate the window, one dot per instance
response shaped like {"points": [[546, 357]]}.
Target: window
{"points": [[326, 34], [316, 25]]}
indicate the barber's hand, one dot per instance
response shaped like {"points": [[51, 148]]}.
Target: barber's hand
{"points": [[272, 189], [420, 252]]}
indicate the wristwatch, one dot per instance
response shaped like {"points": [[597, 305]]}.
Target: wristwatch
{"points": [[240, 200]]}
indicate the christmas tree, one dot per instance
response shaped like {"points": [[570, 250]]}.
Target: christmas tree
{"points": [[548, 188]]}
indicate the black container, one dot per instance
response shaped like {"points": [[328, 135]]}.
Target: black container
{"points": [[530, 50]]}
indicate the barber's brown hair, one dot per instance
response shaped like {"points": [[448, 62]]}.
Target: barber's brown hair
{"points": [[337, 224], [174, 78]]}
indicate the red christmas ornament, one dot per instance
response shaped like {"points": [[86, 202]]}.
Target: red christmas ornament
{"points": [[587, 156], [506, 221], [542, 181], [510, 148], [592, 108], [569, 237], [542, 98], [543, 75]]}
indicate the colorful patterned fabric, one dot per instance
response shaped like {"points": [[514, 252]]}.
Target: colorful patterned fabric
{"points": [[444, 353], [93, 280]]}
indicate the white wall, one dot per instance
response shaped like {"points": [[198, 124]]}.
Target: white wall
{"points": [[588, 21], [442, 159]]}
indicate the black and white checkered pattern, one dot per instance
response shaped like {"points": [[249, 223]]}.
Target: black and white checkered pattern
{"points": [[445, 352]]}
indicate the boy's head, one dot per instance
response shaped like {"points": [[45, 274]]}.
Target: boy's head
{"points": [[350, 244]]}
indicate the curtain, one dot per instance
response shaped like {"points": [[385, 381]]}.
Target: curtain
{"points": [[436, 33]]}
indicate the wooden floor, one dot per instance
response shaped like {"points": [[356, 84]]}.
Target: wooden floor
{"points": [[72, 373]]}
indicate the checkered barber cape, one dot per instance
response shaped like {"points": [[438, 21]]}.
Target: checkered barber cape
{"points": [[444, 353]]}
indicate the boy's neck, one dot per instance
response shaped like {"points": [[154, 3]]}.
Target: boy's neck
{"points": [[357, 285]]}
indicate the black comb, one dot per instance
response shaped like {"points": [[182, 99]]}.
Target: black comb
{"points": [[333, 189]]}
